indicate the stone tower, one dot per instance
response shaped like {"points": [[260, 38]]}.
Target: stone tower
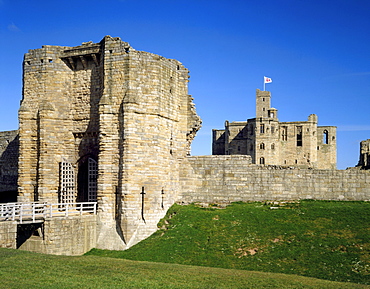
{"points": [[364, 161], [104, 122], [270, 142]]}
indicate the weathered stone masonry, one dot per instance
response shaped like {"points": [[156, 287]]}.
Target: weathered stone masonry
{"points": [[104, 122], [108, 108], [9, 147], [271, 142], [225, 179]]}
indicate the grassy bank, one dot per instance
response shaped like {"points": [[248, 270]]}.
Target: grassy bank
{"points": [[20, 269], [321, 239]]}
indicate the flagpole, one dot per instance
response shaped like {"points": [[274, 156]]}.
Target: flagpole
{"points": [[264, 84]]}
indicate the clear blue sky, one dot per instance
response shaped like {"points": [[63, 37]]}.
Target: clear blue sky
{"points": [[316, 52]]}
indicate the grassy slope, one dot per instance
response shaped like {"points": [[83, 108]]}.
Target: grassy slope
{"points": [[321, 239], [20, 269]]}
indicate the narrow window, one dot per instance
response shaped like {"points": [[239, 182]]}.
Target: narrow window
{"points": [[272, 146], [262, 128], [162, 202], [142, 202], [262, 161], [284, 133], [272, 129], [262, 146], [238, 148], [325, 137], [299, 136]]}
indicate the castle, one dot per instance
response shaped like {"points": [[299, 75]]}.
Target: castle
{"points": [[270, 142], [105, 124]]}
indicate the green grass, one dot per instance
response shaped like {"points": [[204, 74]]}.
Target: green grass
{"points": [[21, 269], [322, 239]]}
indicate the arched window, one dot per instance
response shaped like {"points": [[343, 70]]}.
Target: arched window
{"points": [[262, 146], [262, 161], [273, 146], [325, 137]]}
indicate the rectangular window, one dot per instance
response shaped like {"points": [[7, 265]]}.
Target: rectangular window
{"points": [[262, 128], [284, 133], [299, 136]]}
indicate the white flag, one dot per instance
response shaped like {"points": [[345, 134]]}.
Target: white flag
{"points": [[267, 79]]}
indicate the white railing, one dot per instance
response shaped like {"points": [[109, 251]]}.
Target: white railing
{"points": [[32, 212]]}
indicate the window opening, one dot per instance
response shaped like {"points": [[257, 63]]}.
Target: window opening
{"points": [[262, 146], [142, 203], [262, 161], [262, 128], [299, 136], [162, 202], [325, 137], [272, 146], [284, 133]]}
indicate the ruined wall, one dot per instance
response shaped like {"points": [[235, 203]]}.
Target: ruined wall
{"points": [[214, 179], [364, 160], [9, 149]]}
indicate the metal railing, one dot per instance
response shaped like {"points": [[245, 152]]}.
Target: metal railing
{"points": [[36, 212]]}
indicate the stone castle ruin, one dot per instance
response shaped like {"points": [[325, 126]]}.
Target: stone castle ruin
{"points": [[107, 125]]}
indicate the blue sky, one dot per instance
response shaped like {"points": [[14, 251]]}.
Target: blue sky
{"points": [[316, 52]]}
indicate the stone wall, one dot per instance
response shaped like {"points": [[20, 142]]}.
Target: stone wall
{"points": [[9, 150], [128, 110], [224, 179], [64, 236], [8, 234]]}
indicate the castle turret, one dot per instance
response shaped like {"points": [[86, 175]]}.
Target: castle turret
{"points": [[263, 103]]}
